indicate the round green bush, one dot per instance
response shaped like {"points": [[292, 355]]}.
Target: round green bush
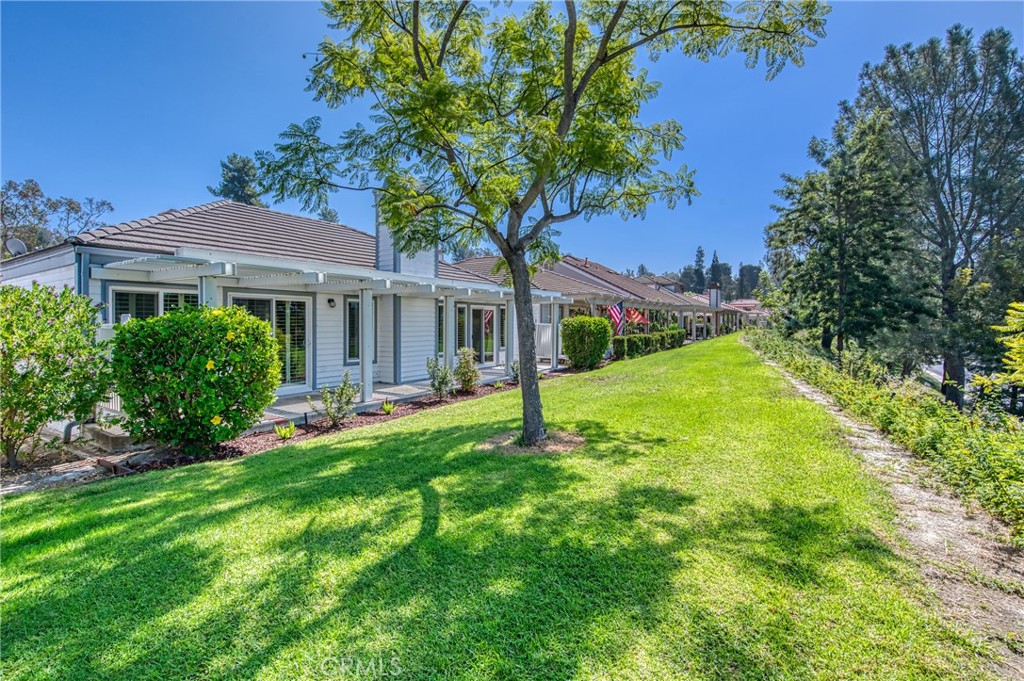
{"points": [[585, 340], [196, 376]]}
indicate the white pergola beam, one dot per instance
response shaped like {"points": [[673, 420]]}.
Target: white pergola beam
{"points": [[213, 269], [283, 279]]}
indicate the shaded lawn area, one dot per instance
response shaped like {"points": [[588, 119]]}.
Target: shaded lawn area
{"points": [[715, 526]]}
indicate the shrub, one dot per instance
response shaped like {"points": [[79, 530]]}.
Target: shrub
{"points": [[442, 382], [635, 346], [196, 376], [619, 347], [659, 341], [387, 406], [499, 385], [466, 372], [585, 340], [285, 432], [51, 366], [981, 453], [338, 404], [513, 371]]}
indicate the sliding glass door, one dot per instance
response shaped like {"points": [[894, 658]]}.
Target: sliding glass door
{"points": [[482, 333], [289, 318]]}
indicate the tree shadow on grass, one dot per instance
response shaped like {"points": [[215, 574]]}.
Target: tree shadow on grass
{"points": [[377, 545]]}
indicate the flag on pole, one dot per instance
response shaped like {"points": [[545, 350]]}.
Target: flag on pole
{"points": [[636, 316], [618, 318]]}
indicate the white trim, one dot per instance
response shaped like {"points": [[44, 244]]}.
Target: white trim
{"points": [[287, 388], [155, 290]]}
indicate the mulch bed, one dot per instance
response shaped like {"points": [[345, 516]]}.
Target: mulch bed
{"points": [[260, 442]]}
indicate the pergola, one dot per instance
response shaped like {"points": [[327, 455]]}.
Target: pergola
{"points": [[212, 271]]}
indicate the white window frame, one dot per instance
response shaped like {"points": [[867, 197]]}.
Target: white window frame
{"points": [[291, 388], [354, 361], [157, 291]]}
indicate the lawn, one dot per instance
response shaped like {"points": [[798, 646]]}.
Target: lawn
{"points": [[715, 526]]}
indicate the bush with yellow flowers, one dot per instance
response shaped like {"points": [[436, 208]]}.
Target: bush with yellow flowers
{"points": [[196, 376]]}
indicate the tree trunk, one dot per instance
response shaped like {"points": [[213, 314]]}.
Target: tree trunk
{"points": [[12, 455], [826, 338], [533, 410], [953, 378]]}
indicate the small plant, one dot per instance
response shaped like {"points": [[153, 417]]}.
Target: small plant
{"points": [[466, 372], [339, 403], [387, 406], [442, 382], [285, 432], [513, 371], [499, 385]]}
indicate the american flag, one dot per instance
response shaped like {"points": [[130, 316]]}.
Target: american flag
{"points": [[619, 319], [636, 316], [488, 315]]}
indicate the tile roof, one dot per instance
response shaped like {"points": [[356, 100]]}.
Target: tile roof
{"points": [[543, 279], [239, 228], [629, 286]]}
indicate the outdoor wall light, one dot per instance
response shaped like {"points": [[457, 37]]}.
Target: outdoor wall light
{"points": [[331, 302]]}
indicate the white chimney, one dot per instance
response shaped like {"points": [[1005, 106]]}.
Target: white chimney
{"points": [[390, 259], [714, 295]]}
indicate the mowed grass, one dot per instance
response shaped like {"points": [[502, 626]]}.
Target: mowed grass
{"points": [[715, 526]]}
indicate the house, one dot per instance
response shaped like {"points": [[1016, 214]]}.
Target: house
{"points": [[687, 311], [320, 285]]}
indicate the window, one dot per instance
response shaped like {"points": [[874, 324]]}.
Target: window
{"points": [[352, 330], [138, 305], [545, 314], [288, 318], [501, 327], [174, 301], [460, 327], [143, 304], [440, 328]]}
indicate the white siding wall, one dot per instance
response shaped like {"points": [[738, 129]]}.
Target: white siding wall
{"points": [[419, 336], [330, 342], [385, 250], [384, 371], [58, 277]]}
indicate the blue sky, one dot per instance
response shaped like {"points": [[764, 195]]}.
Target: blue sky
{"points": [[138, 102]]}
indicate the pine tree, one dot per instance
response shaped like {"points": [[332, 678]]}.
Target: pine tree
{"points": [[238, 181], [699, 280]]}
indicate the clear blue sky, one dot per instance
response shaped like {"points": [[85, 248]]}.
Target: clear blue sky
{"points": [[138, 102]]}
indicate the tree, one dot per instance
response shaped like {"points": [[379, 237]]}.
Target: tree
{"points": [[714, 273], [28, 214], [328, 214], [958, 126], [51, 366], [841, 228], [747, 280], [239, 181], [642, 270], [699, 278], [503, 128]]}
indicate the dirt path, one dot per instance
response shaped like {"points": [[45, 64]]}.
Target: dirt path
{"points": [[963, 552]]}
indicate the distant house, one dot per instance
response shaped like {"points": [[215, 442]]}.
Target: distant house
{"points": [[340, 299]]}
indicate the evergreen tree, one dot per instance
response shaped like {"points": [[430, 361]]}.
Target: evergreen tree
{"points": [[699, 280], [238, 181], [958, 128], [841, 228], [714, 273]]}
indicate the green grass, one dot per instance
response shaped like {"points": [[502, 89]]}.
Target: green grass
{"points": [[715, 526]]}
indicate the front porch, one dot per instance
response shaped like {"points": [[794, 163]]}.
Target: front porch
{"points": [[296, 408]]}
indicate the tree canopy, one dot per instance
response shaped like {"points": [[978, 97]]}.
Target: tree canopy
{"points": [[239, 181], [504, 126]]}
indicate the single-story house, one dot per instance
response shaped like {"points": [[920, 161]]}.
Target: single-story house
{"points": [[320, 285]]}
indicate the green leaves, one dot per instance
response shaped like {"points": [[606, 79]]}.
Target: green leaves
{"points": [[195, 377], [51, 365], [481, 125]]}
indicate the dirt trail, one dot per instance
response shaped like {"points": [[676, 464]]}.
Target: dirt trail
{"points": [[963, 552]]}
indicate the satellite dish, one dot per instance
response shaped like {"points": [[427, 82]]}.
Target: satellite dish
{"points": [[16, 246]]}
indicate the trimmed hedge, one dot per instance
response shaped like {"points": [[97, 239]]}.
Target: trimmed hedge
{"points": [[980, 453], [196, 376], [585, 340], [639, 344]]}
